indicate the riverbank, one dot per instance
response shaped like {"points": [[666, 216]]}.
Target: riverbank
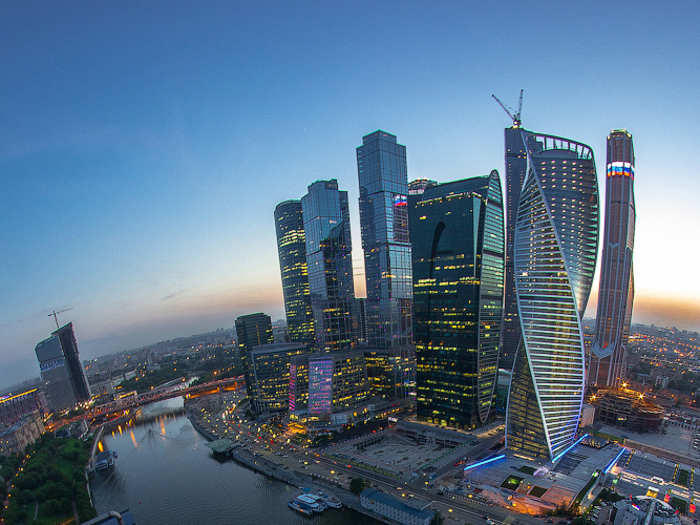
{"points": [[253, 461], [50, 486], [301, 481]]}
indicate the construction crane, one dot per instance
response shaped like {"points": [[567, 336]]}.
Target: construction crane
{"points": [[515, 116], [54, 314]]}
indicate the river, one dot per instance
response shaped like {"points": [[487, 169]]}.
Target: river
{"points": [[164, 474]]}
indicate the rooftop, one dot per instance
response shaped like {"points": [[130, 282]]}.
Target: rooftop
{"points": [[391, 501]]}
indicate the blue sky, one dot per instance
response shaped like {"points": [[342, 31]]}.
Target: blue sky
{"points": [[144, 146]]}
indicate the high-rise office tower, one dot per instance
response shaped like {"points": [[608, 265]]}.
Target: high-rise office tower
{"points": [[516, 162], [555, 245], [291, 247], [329, 260], [457, 242], [381, 169], [61, 370], [253, 330], [607, 365]]}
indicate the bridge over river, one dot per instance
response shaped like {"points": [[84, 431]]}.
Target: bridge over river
{"points": [[161, 393]]}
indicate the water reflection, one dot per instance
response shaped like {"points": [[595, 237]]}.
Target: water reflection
{"points": [[165, 475]]}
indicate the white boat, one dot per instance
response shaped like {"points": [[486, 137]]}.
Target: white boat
{"points": [[330, 501], [312, 501]]}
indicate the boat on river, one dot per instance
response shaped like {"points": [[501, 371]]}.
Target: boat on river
{"points": [[312, 501], [105, 460], [292, 504]]}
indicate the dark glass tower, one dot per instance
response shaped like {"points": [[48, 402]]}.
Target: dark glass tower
{"points": [[253, 330], [555, 245], [291, 247], [516, 162], [329, 259], [457, 240], [381, 169], [607, 366], [61, 370]]}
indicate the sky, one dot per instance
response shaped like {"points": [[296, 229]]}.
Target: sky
{"points": [[144, 145]]}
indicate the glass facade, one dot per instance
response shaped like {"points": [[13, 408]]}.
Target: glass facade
{"points": [[337, 381], [291, 247], [253, 330], [516, 163], [457, 237], [268, 379], [607, 365], [555, 245], [329, 260], [381, 169], [391, 372], [61, 369]]}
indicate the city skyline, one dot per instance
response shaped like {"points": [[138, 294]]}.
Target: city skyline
{"points": [[148, 249]]}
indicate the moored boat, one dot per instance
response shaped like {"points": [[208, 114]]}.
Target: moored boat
{"points": [[297, 507]]}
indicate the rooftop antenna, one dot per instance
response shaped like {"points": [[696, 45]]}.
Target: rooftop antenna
{"points": [[54, 314], [514, 116]]}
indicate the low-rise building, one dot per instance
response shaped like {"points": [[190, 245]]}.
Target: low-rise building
{"points": [[643, 510], [394, 509], [14, 406], [16, 437], [628, 409]]}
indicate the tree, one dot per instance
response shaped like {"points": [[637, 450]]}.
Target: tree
{"points": [[357, 485], [437, 518]]}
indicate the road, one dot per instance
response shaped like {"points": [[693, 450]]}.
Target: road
{"points": [[275, 446]]}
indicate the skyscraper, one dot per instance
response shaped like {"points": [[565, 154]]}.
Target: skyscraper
{"points": [[381, 169], [329, 259], [516, 162], [457, 241], [291, 247], [555, 245], [62, 372], [253, 330], [607, 364]]}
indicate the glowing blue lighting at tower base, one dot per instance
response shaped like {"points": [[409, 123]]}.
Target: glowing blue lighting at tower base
{"points": [[567, 449], [613, 462], [484, 462]]}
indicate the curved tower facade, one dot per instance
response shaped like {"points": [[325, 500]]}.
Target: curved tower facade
{"points": [[555, 245], [458, 263], [607, 363], [291, 247]]}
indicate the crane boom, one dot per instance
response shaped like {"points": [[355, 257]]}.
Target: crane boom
{"points": [[503, 106], [520, 105], [55, 313], [515, 117]]}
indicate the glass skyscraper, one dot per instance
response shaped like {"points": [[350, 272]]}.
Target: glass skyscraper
{"points": [[253, 330], [457, 239], [607, 364], [61, 369], [516, 163], [291, 247], [329, 259], [381, 169], [555, 245]]}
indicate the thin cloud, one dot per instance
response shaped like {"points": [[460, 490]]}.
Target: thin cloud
{"points": [[172, 295]]}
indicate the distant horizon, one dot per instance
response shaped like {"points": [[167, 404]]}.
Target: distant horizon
{"points": [[232, 328]]}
